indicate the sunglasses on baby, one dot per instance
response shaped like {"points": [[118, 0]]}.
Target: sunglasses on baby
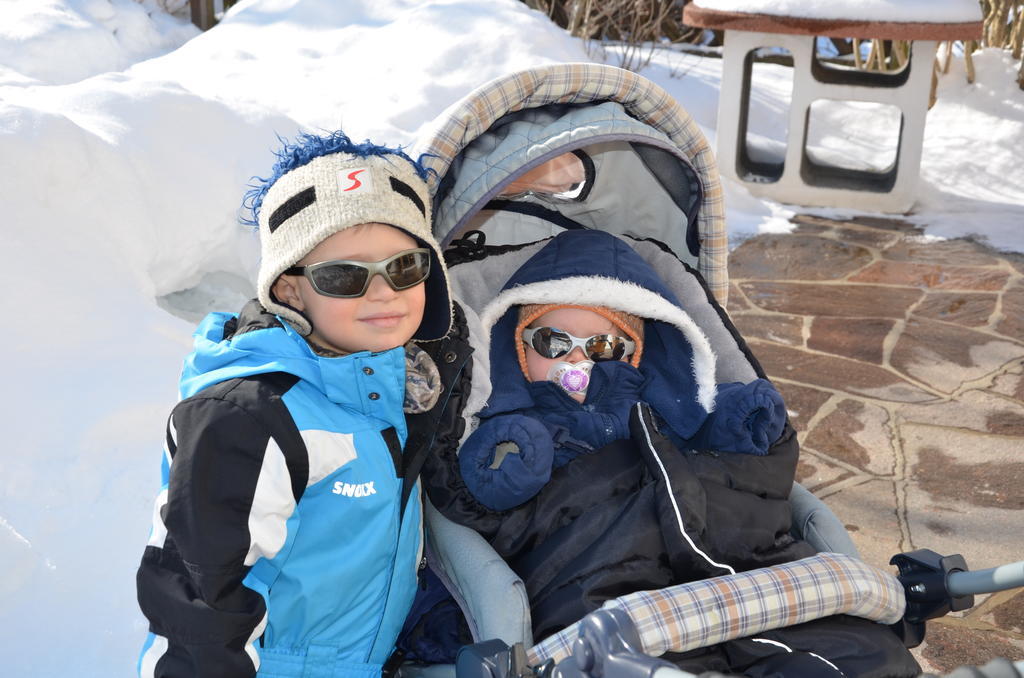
{"points": [[551, 342], [348, 279]]}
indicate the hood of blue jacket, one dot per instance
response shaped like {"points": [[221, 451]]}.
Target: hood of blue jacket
{"points": [[228, 346], [595, 268]]}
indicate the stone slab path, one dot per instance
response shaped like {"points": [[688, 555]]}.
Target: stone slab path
{"points": [[901, 359]]}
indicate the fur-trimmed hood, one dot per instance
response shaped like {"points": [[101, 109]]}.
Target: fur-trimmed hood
{"points": [[595, 268]]}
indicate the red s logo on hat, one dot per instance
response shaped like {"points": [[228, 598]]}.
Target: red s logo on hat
{"points": [[352, 182], [355, 182]]}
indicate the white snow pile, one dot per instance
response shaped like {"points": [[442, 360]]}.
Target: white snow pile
{"points": [[62, 41], [127, 140], [915, 11]]}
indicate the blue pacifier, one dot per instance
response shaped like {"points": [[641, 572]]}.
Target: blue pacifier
{"points": [[574, 378]]}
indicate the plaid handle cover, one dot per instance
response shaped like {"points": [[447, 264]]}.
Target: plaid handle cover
{"points": [[710, 611]]}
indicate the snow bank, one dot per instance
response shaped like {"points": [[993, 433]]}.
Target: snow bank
{"points": [[159, 156], [62, 41], [972, 166], [924, 11]]}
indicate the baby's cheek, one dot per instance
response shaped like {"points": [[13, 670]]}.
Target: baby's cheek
{"points": [[538, 366]]}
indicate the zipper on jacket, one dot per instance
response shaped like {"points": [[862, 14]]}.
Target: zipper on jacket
{"points": [[401, 519], [421, 577], [398, 520], [672, 498], [391, 572]]}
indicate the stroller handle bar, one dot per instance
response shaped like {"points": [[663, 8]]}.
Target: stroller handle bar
{"points": [[683, 617], [608, 648], [626, 637], [686, 616], [986, 581]]}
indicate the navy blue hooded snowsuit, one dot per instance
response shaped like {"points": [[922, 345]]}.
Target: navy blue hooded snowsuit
{"points": [[550, 429]]}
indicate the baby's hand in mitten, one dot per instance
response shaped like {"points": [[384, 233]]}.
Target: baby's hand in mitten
{"points": [[767, 414], [748, 418], [507, 460]]}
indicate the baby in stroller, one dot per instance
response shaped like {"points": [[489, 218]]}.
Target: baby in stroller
{"points": [[652, 475], [581, 367]]}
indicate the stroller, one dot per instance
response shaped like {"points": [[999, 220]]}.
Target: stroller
{"points": [[583, 146]]}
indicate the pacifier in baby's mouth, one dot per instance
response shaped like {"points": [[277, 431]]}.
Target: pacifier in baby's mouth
{"points": [[574, 378]]}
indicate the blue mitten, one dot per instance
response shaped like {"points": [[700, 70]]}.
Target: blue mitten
{"points": [[507, 460], [748, 418]]}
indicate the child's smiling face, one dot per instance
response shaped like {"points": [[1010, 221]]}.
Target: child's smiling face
{"points": [[382, 318]]}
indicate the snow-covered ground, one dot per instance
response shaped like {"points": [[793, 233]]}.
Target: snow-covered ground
{"points": [[126, 142]]}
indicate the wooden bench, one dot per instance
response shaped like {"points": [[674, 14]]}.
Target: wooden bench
{"points": [[798, 178]]}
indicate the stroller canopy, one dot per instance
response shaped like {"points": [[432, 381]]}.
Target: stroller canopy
{"points": [[578, 146]]}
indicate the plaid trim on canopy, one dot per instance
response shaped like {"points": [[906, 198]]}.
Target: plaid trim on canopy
{"points": [[584, 83], [711, 611]]}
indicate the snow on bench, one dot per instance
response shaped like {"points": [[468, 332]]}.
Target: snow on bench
{"points": [[879, 19]]}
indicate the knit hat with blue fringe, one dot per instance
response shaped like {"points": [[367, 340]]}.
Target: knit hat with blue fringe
{"points": [[323, 185]]}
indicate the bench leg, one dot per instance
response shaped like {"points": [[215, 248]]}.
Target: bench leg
{"points": [[202, 14]]}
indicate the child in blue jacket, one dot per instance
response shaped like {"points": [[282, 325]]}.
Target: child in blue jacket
{"points": [[287, 534]]}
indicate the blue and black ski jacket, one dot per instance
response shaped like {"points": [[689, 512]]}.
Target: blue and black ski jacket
{"points": [[285, 542]]}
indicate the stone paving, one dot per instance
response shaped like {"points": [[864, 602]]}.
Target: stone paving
{"points": [[901, 359]]}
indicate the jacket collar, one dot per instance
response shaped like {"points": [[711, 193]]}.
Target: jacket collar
{"points": [[229, 346]]}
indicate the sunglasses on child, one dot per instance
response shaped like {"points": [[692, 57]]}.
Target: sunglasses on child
{"points": [[551, 342], [348, 279]]}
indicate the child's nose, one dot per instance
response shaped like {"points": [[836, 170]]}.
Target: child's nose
{"points": [[576, 355], [379, 289]]}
